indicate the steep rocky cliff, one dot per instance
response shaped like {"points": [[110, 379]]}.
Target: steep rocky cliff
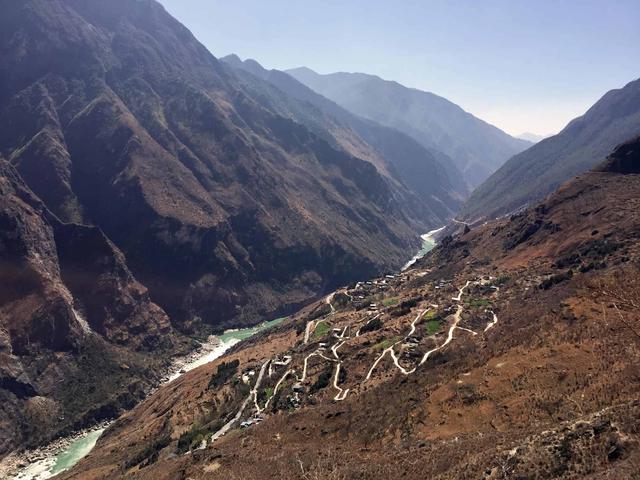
{"points": [[77, 332]]}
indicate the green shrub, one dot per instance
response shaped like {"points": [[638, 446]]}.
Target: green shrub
{"points": [[411, 302], [323, 381], [568, 261], [430, 315], [386, 343], [149, 454], [187, 439], [372, 326], [399, 311], [275, 402], [320, 311], [555, 279], [433, 327], [321, 329], [265, 395], [479, 303]]}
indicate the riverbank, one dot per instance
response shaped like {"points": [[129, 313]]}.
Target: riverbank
{"points": [[215, 347], [428, 243], [62, 454], [47, 461]]}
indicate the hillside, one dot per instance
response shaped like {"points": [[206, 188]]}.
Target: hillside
{"points": [[510, 351], [166, 198], [477, 148], [535, 173]]}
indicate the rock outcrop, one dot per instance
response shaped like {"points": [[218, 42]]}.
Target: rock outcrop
{"points": [[71, 314], [625, 159]]}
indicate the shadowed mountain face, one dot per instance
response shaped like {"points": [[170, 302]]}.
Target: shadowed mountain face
{"points": [[227, 210], [477, 148], [396, 154], [538, 171], [71, 317]]}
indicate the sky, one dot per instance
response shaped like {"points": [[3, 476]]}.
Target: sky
{"points": [[522, 65]]}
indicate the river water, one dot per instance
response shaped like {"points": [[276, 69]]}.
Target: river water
{"points": [[55, 460], [428, 244]]}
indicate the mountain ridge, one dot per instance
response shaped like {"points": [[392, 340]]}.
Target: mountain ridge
{"points": [[169, 202], [400, 152], [146, 117], [477, 147], [71, 316], [535, 173]]}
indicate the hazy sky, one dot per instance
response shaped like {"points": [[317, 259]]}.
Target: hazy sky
{"points": [[522, 65]]}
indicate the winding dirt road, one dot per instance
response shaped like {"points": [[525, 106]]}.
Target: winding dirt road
{"points": [[253, 395], [492, 324], [390, 350], [456, 320]]}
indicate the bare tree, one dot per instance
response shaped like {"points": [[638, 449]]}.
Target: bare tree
{"points": [[622, 289], [324, 468]]}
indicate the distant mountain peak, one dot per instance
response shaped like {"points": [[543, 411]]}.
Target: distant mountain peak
{"points": [[249, 64], [532, 137], [231, 58], [302, 70]]}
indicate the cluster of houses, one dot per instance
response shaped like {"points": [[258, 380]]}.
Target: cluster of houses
{"points": [[442, 284], [286, 360], [361, 295], [247, 375], [293, 400], [279, 362], [364, 290], [410, 345], [252, 421]]}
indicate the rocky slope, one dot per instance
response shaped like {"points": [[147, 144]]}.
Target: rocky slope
{"points": [[227, 211], [76, 329], [477, 148], [535, 173], [510, 351]]}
